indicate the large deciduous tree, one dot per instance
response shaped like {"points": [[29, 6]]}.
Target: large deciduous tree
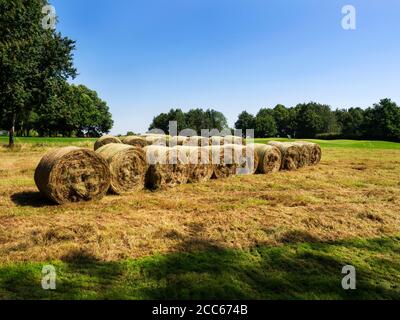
{"points": [[33, 60]]}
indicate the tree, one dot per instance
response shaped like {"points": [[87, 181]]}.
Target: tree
{"points": [[215, 120], [31, 60], [382, 121], [265, 124], [314, 118], [245, 121], [282, 118], [73, 110], [350, 122], [195, 119]]}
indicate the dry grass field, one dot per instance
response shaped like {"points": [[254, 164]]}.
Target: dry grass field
{"points": [[351, 199]]}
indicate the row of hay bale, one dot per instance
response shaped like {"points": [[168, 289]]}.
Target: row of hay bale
{"points": [[166, 140], [74, 174]]}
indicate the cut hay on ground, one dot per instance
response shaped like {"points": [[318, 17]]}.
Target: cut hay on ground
{"points": [[128, 167], [290, 155], [72, 174], [136, 141], [270, 158], [105, 140], [166, 170], [198, 161]]}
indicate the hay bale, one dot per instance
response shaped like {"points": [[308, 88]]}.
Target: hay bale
{"points": [[270, 158], [128, 167], [217, 141], [105, 140], [157, 140], [234, 140], [136, 141], [290, 155], [223, 161], [178, 141], [315, 152], [197, 141], [198, 161], [304, 153], [72, 174], [244, 157], [166, 169]]}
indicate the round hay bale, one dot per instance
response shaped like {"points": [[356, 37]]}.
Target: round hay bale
{"points": [[234, 140], [315, 152], [217, 141], [223, 161], [197, 141], [178, 141], [105, 140], [290, 155], [305, 154], [270, 158], [157, 140], [136, 141], [166, 169], [72, 174], [128, 167], [198, 161], [245, 159], [154, 135]]}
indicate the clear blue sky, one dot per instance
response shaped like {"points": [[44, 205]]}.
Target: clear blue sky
{"points": [[145, 57]]}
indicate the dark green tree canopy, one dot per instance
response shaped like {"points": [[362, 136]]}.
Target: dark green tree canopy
{"points": [[245, 121], [195, 119], [35, 64], [315, 120]]}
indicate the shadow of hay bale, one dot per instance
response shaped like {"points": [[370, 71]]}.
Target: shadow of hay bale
{"points": [[31, 199]]}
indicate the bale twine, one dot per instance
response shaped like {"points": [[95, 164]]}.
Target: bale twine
{"points": [[166, 169], [105, 140], [290, 155], [223, 161], [136, 141], [72, 174], [198, 161], [128, 167], [270, 158]]}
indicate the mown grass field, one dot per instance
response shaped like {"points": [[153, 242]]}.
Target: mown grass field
{"points": [[283, 236]]}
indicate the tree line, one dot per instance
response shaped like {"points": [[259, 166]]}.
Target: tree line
{"points": [[35, 64], [307, 120], [314, 120]]}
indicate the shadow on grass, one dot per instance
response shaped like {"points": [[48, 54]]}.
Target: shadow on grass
{"points": [[296, 271], [31, 199]]}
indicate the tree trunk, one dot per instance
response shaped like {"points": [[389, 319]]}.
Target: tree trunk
{"points": [[11, 133]]}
